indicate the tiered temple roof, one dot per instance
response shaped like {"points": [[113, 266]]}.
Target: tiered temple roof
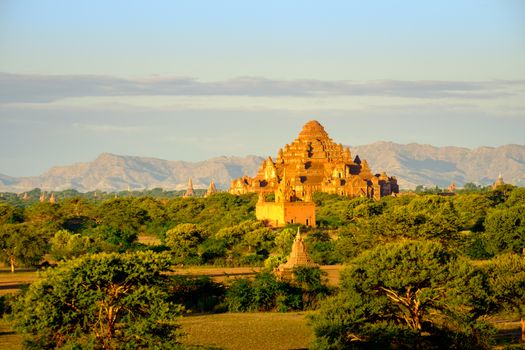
{"points": [[315, 163]]}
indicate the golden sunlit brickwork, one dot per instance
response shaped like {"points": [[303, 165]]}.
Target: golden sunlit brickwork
{"points": [[314, 163]]}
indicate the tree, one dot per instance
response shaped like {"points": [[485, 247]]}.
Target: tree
{"points": [[183, 240], [472, 210], [20, 245], [505, 230], [66, 245], [406, 295], [506, 276], [119, 221], [470, 187], [103, 301], [10, 214]]}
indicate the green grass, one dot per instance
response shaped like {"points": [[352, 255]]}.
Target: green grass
{"points": [[9, 340], [256, 331], [252, 331], [11, 282]]}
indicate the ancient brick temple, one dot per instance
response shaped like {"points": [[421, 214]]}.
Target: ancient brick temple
{"points": [[287, 208], [298, 258], [314, 163]]}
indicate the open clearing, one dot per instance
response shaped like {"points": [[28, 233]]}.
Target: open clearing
{"points": [[252, 331], [12, 282]]}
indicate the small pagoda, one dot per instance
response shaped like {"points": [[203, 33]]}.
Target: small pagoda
{"points": [[298, 257], [189, 191], [212, 189], [499, 182]]}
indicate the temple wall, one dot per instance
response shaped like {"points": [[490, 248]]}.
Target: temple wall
{"points": [[281, 214]]}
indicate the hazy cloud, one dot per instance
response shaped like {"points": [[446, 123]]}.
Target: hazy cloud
{"points": [[107, 128], [17, 88]]}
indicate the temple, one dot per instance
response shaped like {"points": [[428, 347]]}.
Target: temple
{"points": [[298, 257], [314, 163], [287, 208], [189, 191], [499, 182], [212, 189]]}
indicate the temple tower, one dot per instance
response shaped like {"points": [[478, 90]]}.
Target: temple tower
{"points": [[298, 257], [189, 191], [499, 182], [211, 189], [313, 160]]}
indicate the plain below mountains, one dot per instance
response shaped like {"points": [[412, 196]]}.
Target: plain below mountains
{"points": [[412, 164]]}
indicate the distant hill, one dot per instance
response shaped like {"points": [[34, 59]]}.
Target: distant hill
{"points": [[416, 164], [413, 164], [111, 172]]}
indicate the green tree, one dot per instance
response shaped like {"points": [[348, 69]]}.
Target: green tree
{"points": [[405, 295], [20, 245], [472, 210], [10, 214], [470, 187], [506, 276], [284, 241], [119, 221], [505, 229], [77, 214], [183, 240], [66, 245], [103, 301]]}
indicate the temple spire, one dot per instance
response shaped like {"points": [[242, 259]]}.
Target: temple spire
{"points": [[211, 189], [189, 191], [298, 257]]}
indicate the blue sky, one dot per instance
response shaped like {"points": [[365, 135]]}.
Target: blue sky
{"points": [[196, 79]]}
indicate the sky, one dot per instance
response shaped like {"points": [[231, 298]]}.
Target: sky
{"points": [[191, 80]]}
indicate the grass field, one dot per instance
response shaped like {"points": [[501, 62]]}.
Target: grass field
{"points": [[9, 340], [11, 282], [254, 331]]}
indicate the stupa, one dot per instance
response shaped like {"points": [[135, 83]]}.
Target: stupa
{"points": [[298, 257], [315, 163], [499, 182], [211, 189], [189, 191]]}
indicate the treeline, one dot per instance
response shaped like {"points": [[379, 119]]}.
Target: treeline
{"points": [[75, 226], [221, 230]]}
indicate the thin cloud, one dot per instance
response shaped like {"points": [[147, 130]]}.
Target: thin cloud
{"points": [[107, 128], [18, 88]]}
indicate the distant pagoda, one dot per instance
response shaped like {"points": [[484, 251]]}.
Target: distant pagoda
{"points": [[314, 163], [211, 189], [189, 191], [499, 182]]}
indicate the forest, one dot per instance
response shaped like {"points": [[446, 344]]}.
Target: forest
{"points": [[420, 270]]}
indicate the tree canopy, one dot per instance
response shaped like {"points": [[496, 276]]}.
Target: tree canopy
{"points": [[103, 301]]}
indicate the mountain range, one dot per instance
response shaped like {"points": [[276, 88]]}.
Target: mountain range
{"points": [[413, 164]]}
